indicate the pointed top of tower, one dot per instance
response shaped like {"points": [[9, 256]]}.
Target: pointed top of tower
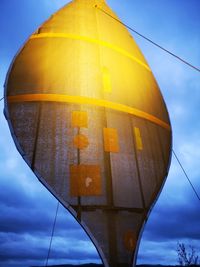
{"points": [[96, 2]]}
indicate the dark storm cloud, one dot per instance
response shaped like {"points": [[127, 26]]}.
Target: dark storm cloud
{"points": [[174, 221], [17, 254], [22, 212], [39, 253], [19, 212], [27, 215], [175, 218], [13, 196], [71, 254], [26, 223]]}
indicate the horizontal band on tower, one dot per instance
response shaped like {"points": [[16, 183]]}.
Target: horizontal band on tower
{"points": [[88, 101], [91, 40]]}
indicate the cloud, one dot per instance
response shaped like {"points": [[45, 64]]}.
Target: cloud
{"points": [[175, 218], [152, 252], [27, 215], [166, 220]]}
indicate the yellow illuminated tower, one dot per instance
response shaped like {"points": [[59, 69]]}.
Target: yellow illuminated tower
{"points": [[87, 116]]}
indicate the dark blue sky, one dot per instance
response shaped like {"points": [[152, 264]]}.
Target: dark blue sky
{"points": [[27, 208]]}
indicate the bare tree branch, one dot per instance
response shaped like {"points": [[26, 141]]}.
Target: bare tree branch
{"points": [[187, 257]]}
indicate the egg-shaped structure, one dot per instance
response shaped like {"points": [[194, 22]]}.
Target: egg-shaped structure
{"points": [[88, 117]]}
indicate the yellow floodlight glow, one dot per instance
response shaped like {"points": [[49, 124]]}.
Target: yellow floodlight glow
{"points": [[88, 101]]}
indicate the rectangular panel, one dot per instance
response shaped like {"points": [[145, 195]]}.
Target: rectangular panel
{"points": [[79, 119], [138, 138], [111, 143], [85, 180]]}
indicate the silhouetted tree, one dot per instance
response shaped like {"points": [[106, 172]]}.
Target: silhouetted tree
{"points": [[187, 256]]}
